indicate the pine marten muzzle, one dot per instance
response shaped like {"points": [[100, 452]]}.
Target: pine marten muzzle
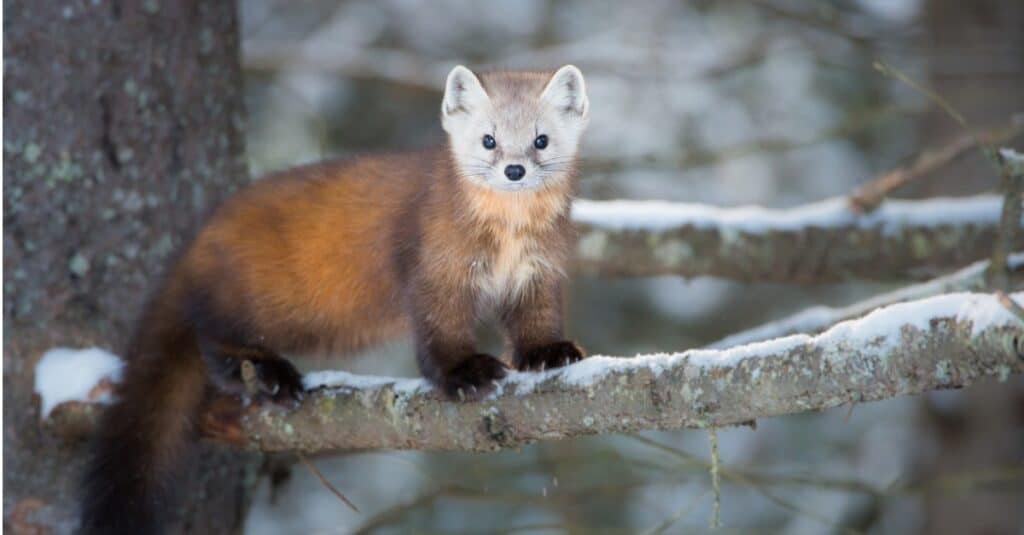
{"points": [[337, 256]]}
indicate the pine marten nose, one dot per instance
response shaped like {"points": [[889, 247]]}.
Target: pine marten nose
{"points": [[515, 172]]}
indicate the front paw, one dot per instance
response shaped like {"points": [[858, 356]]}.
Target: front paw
{"points": [[474, 377], [278, 380], [548, 356]]}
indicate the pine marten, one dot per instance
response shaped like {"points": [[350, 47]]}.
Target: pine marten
{"points": [[336, 256]]}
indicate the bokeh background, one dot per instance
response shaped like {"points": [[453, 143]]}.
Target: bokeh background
{"points": [[731, 102]]}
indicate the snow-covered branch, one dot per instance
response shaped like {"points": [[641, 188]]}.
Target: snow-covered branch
{"points": [[819, 318], [820, 242], [945, 341], [941, 342]]}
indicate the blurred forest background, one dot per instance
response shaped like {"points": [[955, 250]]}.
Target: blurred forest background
{"points": [[766, 102], [770, 102]]}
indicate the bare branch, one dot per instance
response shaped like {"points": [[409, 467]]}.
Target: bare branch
{"points": [[327, 484], [868, 196], [820, 242]]}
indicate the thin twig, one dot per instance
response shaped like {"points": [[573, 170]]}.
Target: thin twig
{"points": [[790, 506], [741, 478], [1010, 305], [889, 70], [715, 479], [950, 484], [869, 196], [849, 411], [325, 483], [679, 515], [987, 149]]}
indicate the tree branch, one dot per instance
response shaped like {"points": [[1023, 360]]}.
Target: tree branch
{"points": [[816, 319], [942, 342], [868, 196], [821, 242], [1011, 168], [946, 341]]}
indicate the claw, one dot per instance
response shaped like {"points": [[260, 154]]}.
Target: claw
{"points": [[553, 355], [473, 377]]}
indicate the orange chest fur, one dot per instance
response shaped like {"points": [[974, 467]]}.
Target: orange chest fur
{"points": [[519, 232]]}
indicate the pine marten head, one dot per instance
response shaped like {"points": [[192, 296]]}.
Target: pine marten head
{"points": [[515, 130]]}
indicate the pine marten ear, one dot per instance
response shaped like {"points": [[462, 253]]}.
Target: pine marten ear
{"points": [[567, 91], [462, 93]]}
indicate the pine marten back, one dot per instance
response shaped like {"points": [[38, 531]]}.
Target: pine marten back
{"points": [[336, 256]]}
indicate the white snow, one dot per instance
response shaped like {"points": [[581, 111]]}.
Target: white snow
{"points": [[819, 317], [881, 327], [65, 374], [1011, 155], [892, 215], [982, 310], [343, 379]]}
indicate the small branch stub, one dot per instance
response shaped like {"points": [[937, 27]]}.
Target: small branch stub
{"points": [[1011, 168]]}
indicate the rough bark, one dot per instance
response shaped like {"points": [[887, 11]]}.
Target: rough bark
{"points": [[891, 243], [123, 124], [1011, 165], [949, 341]]}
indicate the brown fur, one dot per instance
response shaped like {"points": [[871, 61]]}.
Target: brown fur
{"points": [[331, 258]]}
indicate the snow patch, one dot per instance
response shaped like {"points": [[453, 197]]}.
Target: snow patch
{"points": [[65, 374], [891, 216], [343, 379], [882, 327], [820, 317], [983, 311]]}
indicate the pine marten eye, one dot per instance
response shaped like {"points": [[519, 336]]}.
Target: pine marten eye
{"points": [[489, 142], [541, 141]]}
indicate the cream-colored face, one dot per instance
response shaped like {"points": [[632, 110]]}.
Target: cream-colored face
{"points": [[520, 134]]}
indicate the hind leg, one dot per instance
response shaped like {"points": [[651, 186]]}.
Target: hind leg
{"points": [[270, 376]]}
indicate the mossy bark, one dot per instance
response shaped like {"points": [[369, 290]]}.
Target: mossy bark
{"points": [[123, 125], [809, 255], [651, 394]]}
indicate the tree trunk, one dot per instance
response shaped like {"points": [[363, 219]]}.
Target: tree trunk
{"points": [[976, 65], [123, 125]]}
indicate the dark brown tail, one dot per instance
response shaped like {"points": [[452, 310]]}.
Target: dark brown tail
{"points": [[143, 442]]}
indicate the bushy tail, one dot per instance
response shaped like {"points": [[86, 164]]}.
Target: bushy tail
{"points": [[143, 442]]}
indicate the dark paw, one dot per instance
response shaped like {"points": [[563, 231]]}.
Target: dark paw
{"points": [[278, 380], [548, 356], [474, 377]]}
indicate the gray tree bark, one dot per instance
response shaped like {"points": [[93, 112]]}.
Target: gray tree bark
{"points": [[891, 243], [945, 342], [123, 124]]}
